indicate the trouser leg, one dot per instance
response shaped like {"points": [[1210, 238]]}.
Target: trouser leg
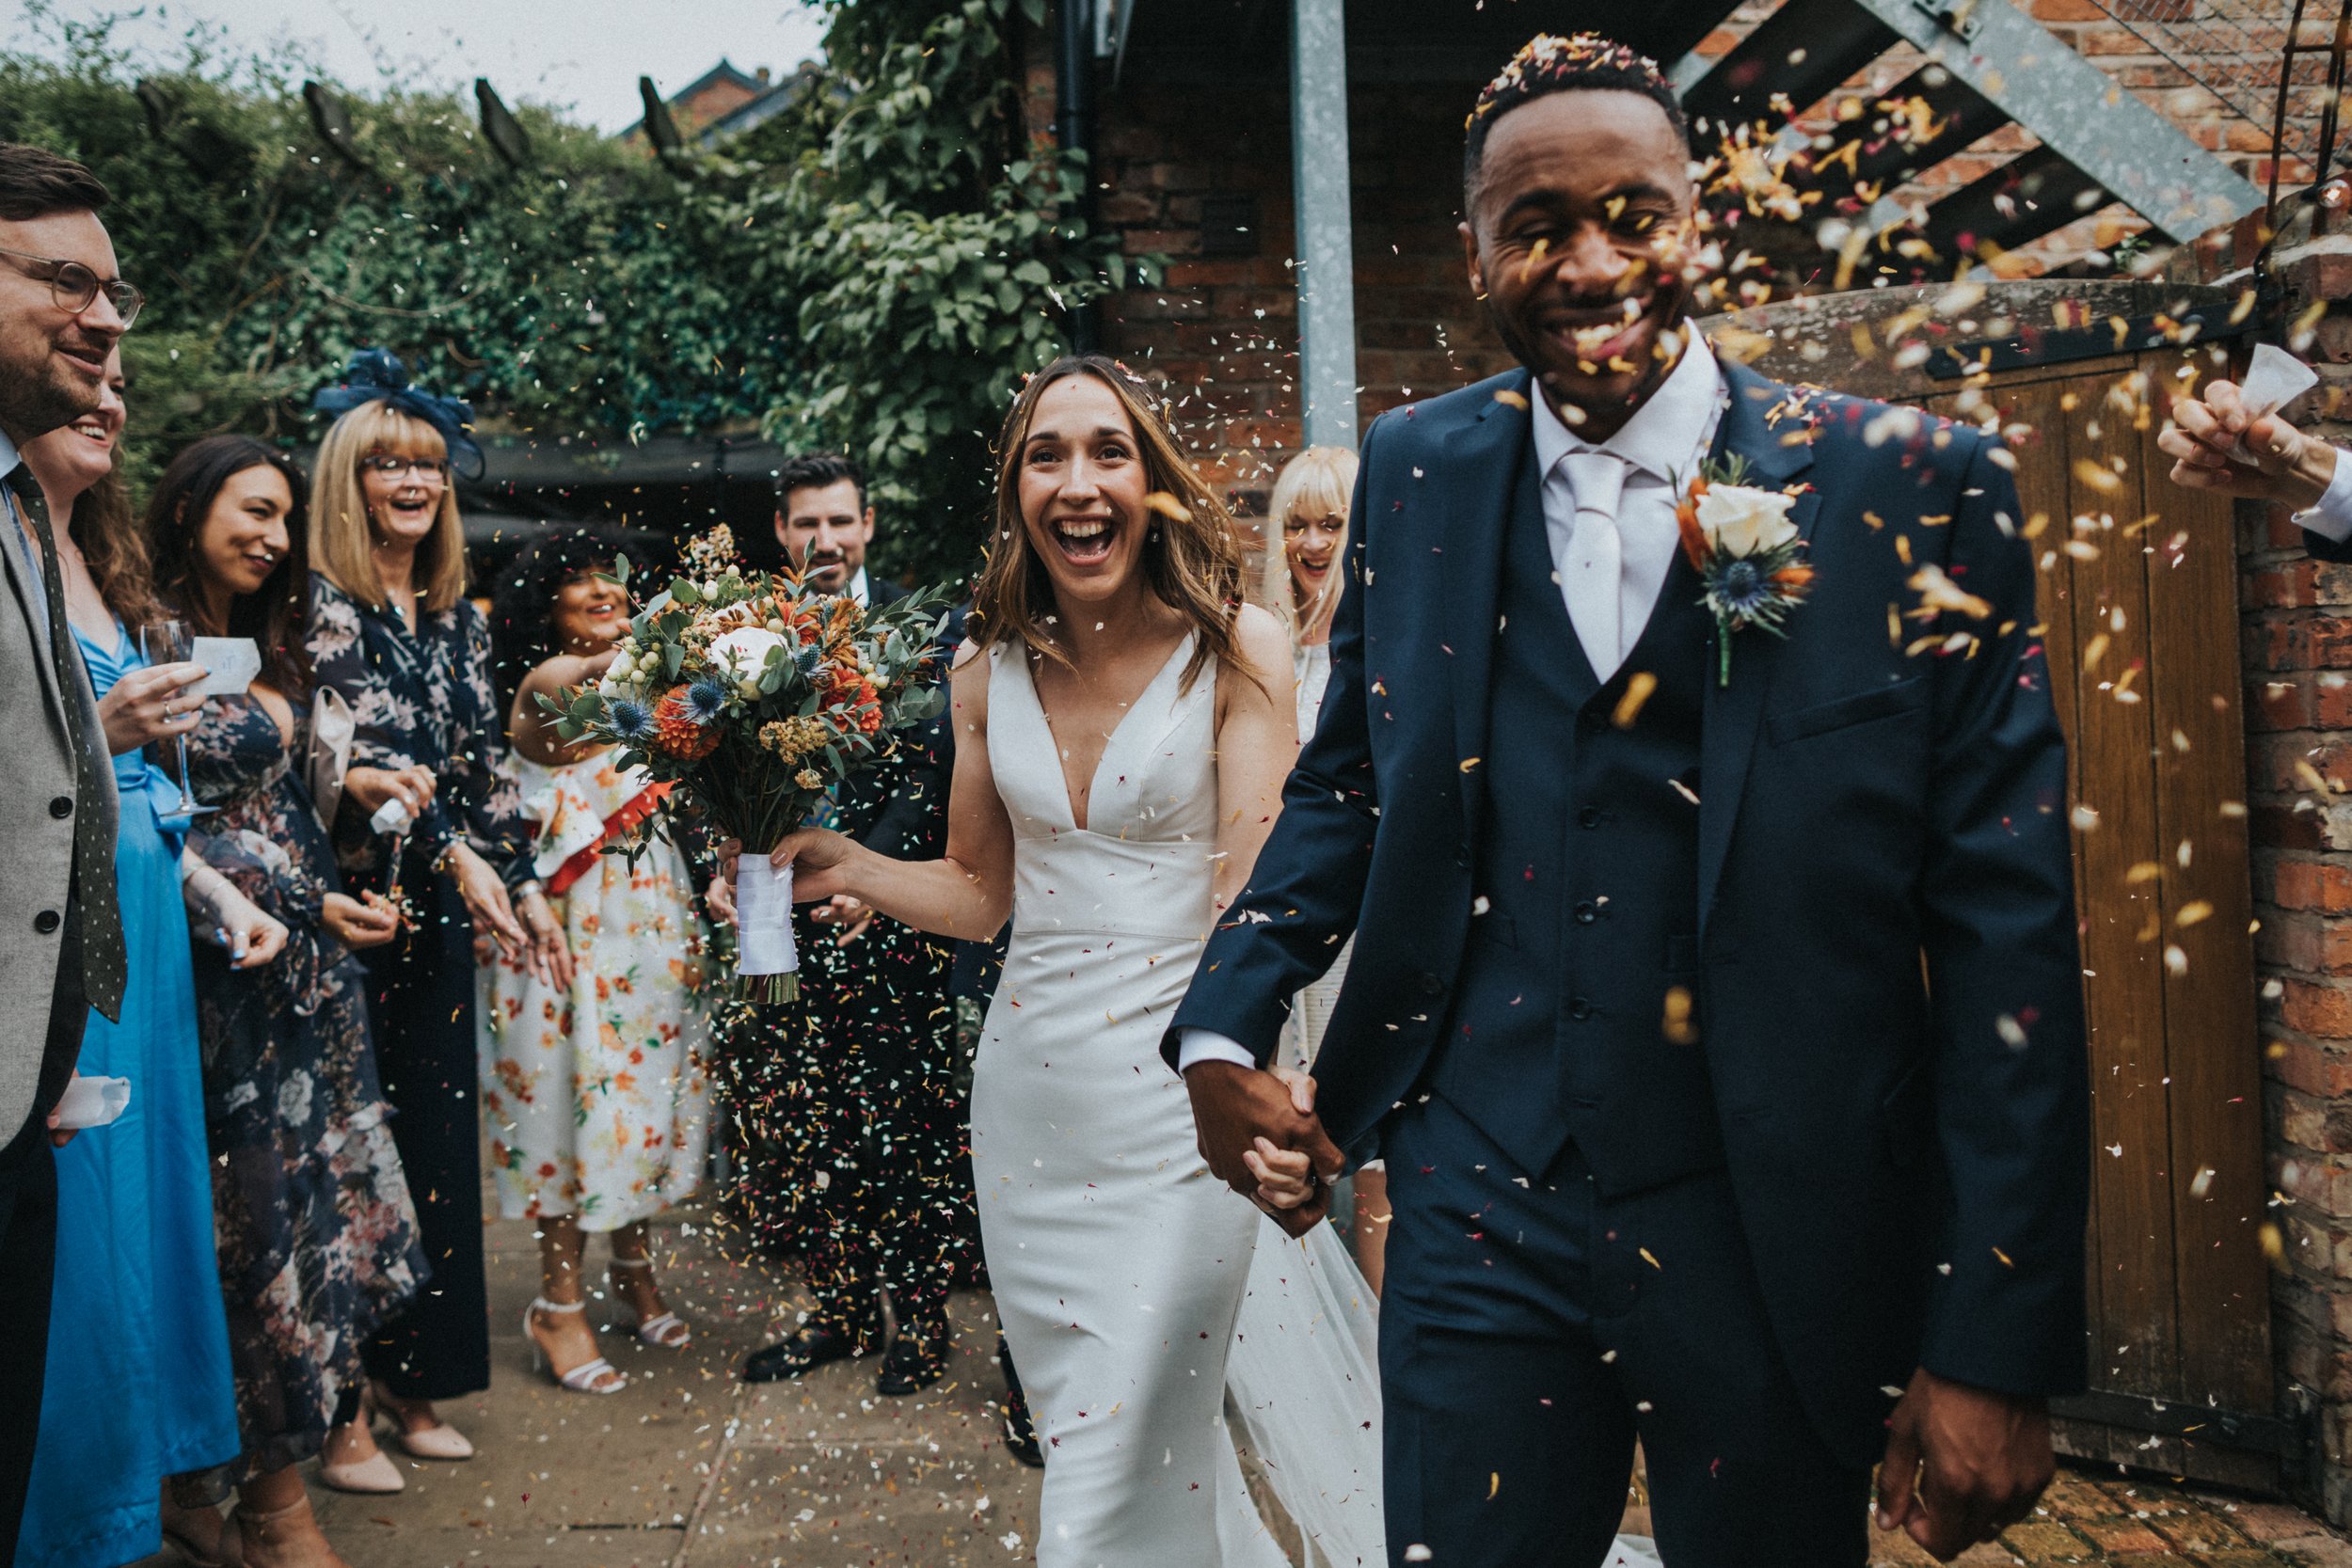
{"points": [[1508, 1442]]}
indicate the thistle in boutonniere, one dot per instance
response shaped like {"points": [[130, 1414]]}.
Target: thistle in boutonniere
{"points": [[1747, 551]]}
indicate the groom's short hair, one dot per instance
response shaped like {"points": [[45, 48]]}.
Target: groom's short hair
{"points": [[1548, 63]]}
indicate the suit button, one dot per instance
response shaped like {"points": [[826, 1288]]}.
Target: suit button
{"points": [[61, 806], [1578, 1008], [1589, 818], [1432, 984], [1586, 913], [47, 921]]}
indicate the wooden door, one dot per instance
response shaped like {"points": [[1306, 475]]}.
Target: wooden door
{"points": [[2138, 610]]}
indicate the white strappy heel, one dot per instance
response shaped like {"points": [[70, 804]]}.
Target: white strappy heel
{"points": [[598, 1376], [666, 1331]]}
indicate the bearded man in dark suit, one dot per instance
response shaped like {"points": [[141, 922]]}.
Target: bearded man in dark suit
{"points": [[854, 1091]]}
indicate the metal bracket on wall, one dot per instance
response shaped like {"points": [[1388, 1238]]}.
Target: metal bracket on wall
{"points": [[1957, 17], [2078, 111]]}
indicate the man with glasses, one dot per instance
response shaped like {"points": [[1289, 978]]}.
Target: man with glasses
{"points": [[62, 308]]}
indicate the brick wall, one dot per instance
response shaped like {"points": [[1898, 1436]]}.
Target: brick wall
{"points": [[2296, 621], [1223, 329]]}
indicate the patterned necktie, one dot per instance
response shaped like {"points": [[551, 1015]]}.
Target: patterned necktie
{"points": [[104, 961]]}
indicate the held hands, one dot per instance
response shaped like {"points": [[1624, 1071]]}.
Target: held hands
{"points": [[1961, 1463], [2290, 466], [148, 705], [1254, 1128]]}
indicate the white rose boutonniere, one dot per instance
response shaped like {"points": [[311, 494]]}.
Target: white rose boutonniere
{"points": [[1747, 553]]}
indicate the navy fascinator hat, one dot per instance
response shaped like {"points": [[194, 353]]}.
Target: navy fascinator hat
{"points": [[376, 376]]}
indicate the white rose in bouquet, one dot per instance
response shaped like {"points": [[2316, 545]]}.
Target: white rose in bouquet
{"points": [[743, 652], [1742, 520]]}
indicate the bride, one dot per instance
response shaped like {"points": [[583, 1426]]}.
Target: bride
{"points": [[1124, 727], [1121, 750]]}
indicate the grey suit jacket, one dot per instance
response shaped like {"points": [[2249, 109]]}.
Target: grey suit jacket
{"points": [[36, 841]]}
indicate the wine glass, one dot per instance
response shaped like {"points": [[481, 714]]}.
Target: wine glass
{"points": [[169, 642]]}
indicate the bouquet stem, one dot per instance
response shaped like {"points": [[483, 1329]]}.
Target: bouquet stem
{"points": [[765, 964]]}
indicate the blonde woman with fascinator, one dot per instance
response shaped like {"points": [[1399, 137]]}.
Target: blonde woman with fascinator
{"points": [[393, 634], [1306, 533]]}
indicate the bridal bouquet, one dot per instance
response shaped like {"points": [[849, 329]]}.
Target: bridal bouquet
{"points": [[753, 697]]}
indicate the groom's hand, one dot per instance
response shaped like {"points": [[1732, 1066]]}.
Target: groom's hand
{"points": [[1234, 1106], [1963, 1463]]}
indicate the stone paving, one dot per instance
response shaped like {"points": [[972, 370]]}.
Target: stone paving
{"points": [[689, 1468]]}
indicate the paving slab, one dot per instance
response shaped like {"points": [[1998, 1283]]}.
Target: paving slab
{"points": [[689, 1468]]}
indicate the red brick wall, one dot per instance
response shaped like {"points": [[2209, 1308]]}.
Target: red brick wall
{"points": [[1223, 330], [2296, 618]]}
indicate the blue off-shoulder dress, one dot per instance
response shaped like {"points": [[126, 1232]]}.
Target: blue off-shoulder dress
{"points": [[139, 1383]]}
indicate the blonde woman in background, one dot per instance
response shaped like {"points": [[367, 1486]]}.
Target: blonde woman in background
{"points": [[1305, 540]]}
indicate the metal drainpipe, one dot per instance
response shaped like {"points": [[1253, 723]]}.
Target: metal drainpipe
{"points": [[1074, 128]]}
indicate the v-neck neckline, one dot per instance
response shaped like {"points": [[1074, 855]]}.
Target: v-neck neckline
{"points": [[1111, 742]]}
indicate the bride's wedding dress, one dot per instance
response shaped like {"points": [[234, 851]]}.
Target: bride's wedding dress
{"points": [[1123, 1271]]}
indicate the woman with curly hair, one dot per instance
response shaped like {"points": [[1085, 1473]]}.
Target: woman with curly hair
{"points": [[597, 1091]]}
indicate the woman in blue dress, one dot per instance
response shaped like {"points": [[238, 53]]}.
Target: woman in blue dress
{"points": [[137, 1384]]}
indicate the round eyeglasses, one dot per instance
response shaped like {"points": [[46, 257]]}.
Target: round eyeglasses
{"points": [[76, 288]]}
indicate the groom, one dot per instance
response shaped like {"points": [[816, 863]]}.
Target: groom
{"points": [[1721, 1026]]}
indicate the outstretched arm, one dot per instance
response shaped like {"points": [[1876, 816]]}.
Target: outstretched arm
{"points": [[966, 895]]}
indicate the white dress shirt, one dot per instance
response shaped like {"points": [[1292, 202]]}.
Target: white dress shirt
{"points": [[858, 590], [1661, 448], [2331, 518]]}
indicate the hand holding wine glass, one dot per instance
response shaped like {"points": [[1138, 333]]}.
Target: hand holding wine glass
{"points": [[169, 642]]}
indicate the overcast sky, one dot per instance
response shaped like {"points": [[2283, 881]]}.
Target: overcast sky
{"points": [[585, 53]]}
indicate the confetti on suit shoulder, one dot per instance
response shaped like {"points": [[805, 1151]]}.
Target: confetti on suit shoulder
{"points": [[1511, 399]]}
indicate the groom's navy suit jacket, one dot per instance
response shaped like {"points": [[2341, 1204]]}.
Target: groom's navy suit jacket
{"points": [[1887, 981]]}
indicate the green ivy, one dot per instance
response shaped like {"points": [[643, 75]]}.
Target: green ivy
{"points": [[873, 270]]}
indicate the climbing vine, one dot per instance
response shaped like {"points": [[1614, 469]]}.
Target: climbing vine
{"points": [[870, 270]]}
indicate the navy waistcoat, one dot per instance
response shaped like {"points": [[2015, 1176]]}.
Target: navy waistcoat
{"points": [[1575, 1018]]}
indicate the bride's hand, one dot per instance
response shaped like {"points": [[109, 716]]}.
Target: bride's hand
{"points": [[1286, 1178], [820, 858]]}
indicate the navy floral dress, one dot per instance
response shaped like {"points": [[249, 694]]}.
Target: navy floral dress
{"points": [[317, 1235], [425, 698]]}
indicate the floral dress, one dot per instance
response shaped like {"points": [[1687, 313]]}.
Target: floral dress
{"points": [[316, 1230], [424, 697], [599, 1099]]}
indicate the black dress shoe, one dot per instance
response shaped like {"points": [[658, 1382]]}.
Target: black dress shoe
{"points": [[809, 1348], [1020, 1436], [916, 1359]]}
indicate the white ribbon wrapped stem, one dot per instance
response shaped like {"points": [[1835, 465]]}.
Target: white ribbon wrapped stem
{"points": [[763, 907]]}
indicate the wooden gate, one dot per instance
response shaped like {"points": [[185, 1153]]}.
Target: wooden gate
{"points": [[2138, 603]]}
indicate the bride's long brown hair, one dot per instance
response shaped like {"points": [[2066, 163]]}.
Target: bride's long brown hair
{"points": [[1192, 551]]}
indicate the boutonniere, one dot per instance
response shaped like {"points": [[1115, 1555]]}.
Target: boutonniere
{"points": [[1747, 551]]}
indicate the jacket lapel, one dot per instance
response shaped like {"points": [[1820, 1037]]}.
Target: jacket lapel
{"points": [[1486, 472], [1735, 713]]}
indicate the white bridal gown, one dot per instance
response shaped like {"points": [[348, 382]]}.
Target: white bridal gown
{"points": [[1121, 1267], [1118, 1261]]}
